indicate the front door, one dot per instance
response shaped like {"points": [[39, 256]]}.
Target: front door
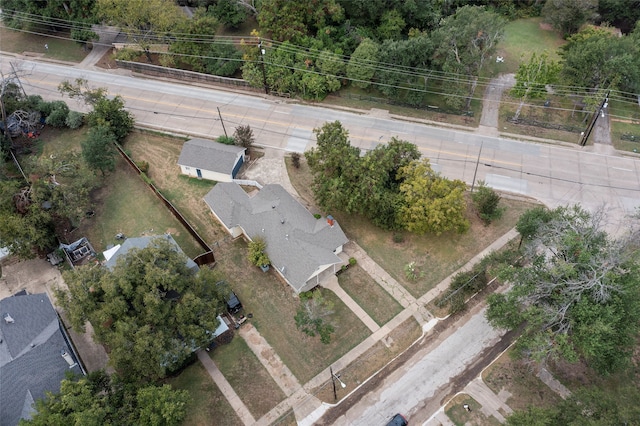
{"points": [[199, 172]]}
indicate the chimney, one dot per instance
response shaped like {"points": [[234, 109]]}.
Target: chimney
{"points": [[330, 220]]}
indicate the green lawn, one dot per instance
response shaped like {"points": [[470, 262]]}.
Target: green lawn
{"points": [[625, 136], [522, 37], [369, 295], [206, 404], [60, 46], [247, 376], [273, 304], [125, 204]]}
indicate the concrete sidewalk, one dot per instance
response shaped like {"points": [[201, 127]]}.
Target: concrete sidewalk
{"points": [[490, 402], [226, 389]]}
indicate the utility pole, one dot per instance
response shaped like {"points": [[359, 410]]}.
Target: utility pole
{"points": [[473, 183], [223, 128], [585, 135], [264, 73], [333, 381]]}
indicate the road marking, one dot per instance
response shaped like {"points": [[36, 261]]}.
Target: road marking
{"points": [[286, 125]]}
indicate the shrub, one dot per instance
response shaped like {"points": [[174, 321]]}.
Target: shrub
{"points": [[398, 237], [126, 54], [317, 215], [486, 201], [295, 160], [227, 140], [257, 255], [352, 261], [143, 166], [56, 113], [74, 120], [243, 136]]}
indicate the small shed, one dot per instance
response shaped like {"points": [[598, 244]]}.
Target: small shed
{"points": [[206, 159]]}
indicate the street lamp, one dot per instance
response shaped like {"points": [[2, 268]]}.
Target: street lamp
{"points": [[264, 73], [333, 382]]}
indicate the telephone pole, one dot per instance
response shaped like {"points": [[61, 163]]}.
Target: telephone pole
{"points": [[264, 73]]}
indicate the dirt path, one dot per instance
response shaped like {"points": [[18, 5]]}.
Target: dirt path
{"points": [[491, 103]]}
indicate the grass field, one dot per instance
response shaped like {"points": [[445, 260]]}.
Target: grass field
{"points": [[369, 295], [206, 406], [625, 136], [435, 257], [519, 379], [247, 376], [456, 412], [274, 304], [522, 37], [60, 47]]}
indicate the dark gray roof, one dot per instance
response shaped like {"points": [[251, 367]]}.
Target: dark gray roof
{"points": [[297, 243], [142, 242], [30, 355], [209, 155]]}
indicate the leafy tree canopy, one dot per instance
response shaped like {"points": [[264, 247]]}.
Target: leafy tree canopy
{"points": [[596, 59], [464, 42], [150, 310], [431, 203], [97, 400], [567, 16], [578, 293]]}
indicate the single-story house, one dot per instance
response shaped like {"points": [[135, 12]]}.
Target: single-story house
{"points": [[35, 355], [300, 247], [111, 256], [211, 160]]}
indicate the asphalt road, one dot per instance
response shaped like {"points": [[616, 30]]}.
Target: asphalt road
{"points": [[555, 175], [417, 388]]}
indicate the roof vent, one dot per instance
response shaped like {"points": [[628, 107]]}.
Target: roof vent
{"points": [[273, 206], [286, 236], [8, 319], [282, 220], [68, 358]]}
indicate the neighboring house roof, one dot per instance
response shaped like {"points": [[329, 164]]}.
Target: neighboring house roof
{"points": [[209, 155], [31, 361], [297, 243], [143, 242]]}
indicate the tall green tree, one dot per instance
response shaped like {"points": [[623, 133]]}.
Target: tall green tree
{"points": [[532, 78], [74, 15], [431, 203], [567, 16], [293, 19], [465, 41], [594, 59], [150, 310], [98, 149], [332, 162], [97, 400], [362, 63], [578, 293], [144, 21]]}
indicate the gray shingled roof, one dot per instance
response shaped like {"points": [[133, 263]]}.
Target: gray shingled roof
{"points": [[205, 154], [296, 240], [143, 242], [30, 355]]}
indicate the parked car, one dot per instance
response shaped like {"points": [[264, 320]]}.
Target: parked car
{"points": [[231, 299], [398, 420]]}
